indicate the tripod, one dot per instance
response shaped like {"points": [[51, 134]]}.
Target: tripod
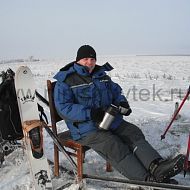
{"points": [[187, 162]]}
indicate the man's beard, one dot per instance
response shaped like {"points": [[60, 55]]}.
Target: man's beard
{"points": [[90, 68]]}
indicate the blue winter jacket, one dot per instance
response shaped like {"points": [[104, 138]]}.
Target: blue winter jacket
{"points": [[77, 91]]}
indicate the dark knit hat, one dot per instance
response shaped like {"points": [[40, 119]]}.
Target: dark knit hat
{"points": [[85, 51]]}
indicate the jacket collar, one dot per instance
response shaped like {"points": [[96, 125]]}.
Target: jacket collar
{"points": [[98, 72]]}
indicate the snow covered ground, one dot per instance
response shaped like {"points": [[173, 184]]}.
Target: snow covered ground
{"points": [[152, 85]]}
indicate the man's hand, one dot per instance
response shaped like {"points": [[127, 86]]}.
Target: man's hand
{"points": [[97, 114], [124, 108]]}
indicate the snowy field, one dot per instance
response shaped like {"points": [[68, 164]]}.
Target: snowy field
{"points": [[152, 85]]}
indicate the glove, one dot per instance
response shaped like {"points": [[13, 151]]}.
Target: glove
{"points": [[97, 114], [124, 108]]}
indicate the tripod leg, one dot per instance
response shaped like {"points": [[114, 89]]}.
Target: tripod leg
{"points": [[175, 115], [186, 166]]}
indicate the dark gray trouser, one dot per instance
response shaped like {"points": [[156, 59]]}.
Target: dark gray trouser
{"points": [[135, 139], [117, 147]]}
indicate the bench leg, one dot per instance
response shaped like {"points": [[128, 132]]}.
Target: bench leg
{"points": [[108, 167], [80, 164], [56, 161]]}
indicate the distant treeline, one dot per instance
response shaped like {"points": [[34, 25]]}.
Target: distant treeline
{"points": [[166, 55], [19, 60]]}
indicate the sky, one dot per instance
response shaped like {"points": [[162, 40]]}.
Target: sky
{"points": [[57, 28]]}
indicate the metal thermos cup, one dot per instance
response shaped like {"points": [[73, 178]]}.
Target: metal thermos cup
{"points": [[109, 116]]}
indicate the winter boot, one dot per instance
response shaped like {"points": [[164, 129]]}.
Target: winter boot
{"points": [[1, 154], [1, 158], [163, 170]]}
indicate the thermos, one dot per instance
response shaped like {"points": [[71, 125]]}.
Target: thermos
{"points": [[109, 116]]}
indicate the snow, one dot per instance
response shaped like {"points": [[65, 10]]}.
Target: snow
{"points": [[152, 85]]}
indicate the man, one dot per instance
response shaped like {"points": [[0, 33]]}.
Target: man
{"points": [[83, 92]]}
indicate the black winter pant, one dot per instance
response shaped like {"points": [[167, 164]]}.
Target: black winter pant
{"points": [[125, 148]]}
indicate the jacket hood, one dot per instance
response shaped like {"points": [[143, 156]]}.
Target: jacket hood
{"points": [[72, 67]]}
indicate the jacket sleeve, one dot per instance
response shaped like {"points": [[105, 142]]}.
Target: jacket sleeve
{"points": [[117, 93], [65, 106]]}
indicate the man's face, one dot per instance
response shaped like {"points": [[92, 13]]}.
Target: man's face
{"points": [[88, 62]]}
